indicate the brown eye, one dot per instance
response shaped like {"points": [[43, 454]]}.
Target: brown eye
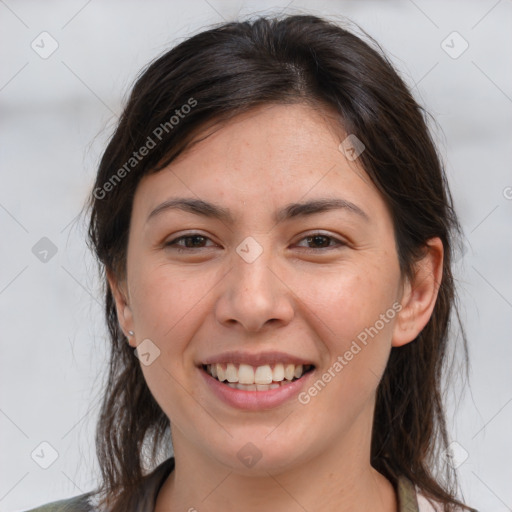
{"points": [[322, 241], [190, 242]]}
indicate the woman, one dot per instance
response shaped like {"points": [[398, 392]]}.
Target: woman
{"points": [[276, 235]]}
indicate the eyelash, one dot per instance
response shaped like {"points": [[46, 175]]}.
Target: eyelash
{"points": [[172, 243]]}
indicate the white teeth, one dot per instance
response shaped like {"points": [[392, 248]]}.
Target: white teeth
{"points": [[263, 375], [231, 373], [266, 387], [289, 371], [255, 387], [278, 373], [247, 375], [221, 374]]}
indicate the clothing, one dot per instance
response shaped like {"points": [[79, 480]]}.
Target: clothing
{"points": [[146, 499]]}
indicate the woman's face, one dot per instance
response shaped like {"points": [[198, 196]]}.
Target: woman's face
{"points": [[263, 285]]}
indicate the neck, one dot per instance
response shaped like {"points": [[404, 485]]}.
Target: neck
{"points": [[340, 479]]}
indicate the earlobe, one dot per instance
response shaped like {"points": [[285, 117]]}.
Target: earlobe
{"points": [[124, 312], [420, 294]]}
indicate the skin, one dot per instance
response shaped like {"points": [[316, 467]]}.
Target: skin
{"points": [[297, 297]]}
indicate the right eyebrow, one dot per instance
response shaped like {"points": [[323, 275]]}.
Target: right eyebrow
{"points": [[290, 211]]}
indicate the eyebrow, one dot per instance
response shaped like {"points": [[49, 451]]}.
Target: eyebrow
{"points": [[290, 211]]}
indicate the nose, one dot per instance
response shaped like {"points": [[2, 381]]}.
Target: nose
{"points": [[254, 295]]}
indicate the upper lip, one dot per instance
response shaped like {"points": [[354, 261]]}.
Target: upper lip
{"points": [[256, 359]]}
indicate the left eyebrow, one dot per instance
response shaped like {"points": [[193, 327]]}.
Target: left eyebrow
{"points": [[290, 211]]}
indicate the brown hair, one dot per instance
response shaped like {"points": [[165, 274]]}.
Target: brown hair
{"points": [[231, 69]]}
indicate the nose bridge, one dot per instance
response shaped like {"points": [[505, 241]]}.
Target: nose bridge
{"points": [[253, 294]]}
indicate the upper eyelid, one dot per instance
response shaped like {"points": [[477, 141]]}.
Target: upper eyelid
{"points": [[187, 235]]}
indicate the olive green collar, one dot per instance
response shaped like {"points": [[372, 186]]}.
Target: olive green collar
{"points": [[406, 494]]}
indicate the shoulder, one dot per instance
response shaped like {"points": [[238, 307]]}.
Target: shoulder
{"points": [[77, 504]]}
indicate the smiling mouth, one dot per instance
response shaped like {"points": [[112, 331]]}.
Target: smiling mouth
{"points": [[261, 378]]}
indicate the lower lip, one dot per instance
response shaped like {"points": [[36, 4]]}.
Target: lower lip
{"points": [[256, 400]]}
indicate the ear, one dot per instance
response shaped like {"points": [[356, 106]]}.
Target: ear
{"points": [[124, 312], [419, 294]]}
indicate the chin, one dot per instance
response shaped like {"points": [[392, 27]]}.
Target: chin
{"points": [[253, 455]]}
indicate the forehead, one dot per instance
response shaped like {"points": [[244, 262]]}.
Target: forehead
{"points": [[271, 154], [273, 133]]}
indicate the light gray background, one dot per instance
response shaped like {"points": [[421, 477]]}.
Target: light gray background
{"points": [[55, 117]]}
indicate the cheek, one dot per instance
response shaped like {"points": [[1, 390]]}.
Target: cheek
{"points": [[170, 305], [350, 300], [166, 299], [353, 313], [167, 304]]}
